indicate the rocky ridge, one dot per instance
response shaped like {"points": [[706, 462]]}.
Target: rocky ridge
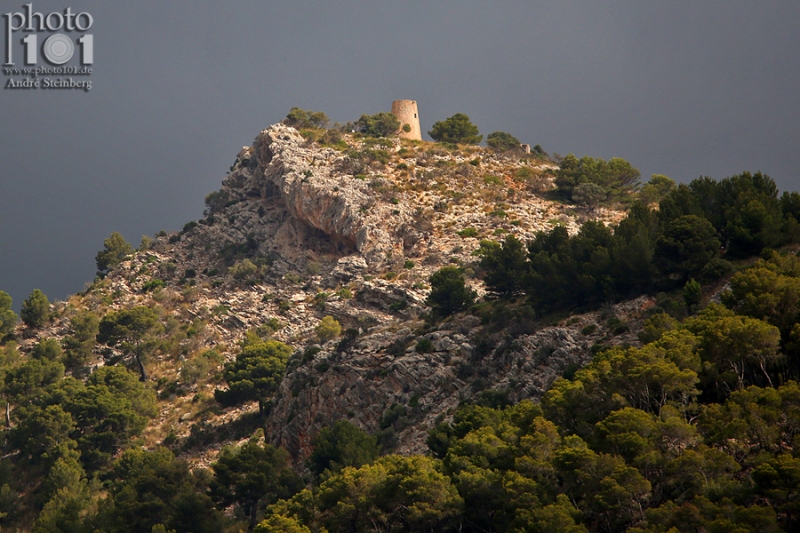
{"points": [[300, 231]]}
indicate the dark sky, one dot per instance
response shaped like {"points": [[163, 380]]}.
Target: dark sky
{"points": [[677, 88]]}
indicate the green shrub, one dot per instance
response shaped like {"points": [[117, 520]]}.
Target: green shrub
{"points": [[269, 327], [449, 291], [219, 310], [293, 278], [313, 268], [467, 232], [344, 293], [378, 125], [589, 194], [524, 173], [692, 294], [327, 329], [456, 129], [48, 349], [424, 346], [301, 118], [78, 345], [381, 156], [687, 245], [153, 284], [194, 369], [616, 326], [506, 266], [502, 141], [255, 375], [243, 269], [216, 201], [399, 305], [655, 326], [115, 250], [716, 269], [35, 310]]}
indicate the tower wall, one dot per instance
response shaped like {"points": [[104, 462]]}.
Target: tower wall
{"points": [[406, 111]]}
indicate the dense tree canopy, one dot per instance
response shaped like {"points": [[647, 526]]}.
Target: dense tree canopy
{"points": [[616, 177], [55, 416], [651, 250], [744, 210], [394, 493], [693, 430], [340, 445], [253, 475], [656, 189], [148, 489], [505, 266], [686, 246]]}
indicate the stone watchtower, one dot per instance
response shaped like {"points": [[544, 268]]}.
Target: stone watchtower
{"points": [[406, 112]]}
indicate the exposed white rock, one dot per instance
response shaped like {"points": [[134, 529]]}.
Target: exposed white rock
{"points": [[324, 240]]}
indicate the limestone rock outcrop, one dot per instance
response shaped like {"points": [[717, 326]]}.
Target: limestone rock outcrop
{"points": [[383, 373], [328, 201], [353, 230]]}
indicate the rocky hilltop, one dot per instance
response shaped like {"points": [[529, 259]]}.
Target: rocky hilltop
{"points": [[352, 229], [346, 298]]}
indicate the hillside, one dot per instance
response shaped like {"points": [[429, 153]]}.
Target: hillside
{"points": [[351, 233], [306, 298]]}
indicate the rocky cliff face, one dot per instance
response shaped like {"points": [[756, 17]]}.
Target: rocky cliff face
{"points": [[330, 201], [382, 382], [353, 230]]}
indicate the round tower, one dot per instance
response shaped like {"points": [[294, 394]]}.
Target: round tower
{"points": [[406, 112]]}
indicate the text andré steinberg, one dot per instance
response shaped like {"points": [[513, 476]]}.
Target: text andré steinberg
{"points": [[65, 37]]}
